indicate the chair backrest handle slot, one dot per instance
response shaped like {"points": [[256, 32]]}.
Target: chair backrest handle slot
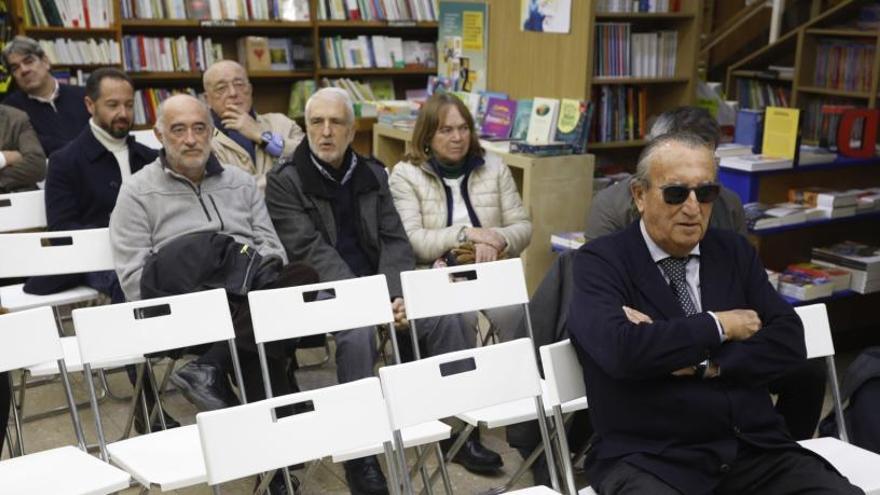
{"points": [[319, 295], [293, 409], [457, 367], [5, 202], [56, 241], [156, 311], [462, 276]]}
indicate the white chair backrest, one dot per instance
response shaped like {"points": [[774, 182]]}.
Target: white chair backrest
{"points": [[244, 440], [817, 330], [563, 374], [417, 392], [284, 313], [441, 291], [23, 210], [29, 254], [143, 327], [28, 338], [147, 138]]}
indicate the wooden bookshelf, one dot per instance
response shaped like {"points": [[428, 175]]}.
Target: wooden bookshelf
{"points": [[561, 66], [271, 88]]}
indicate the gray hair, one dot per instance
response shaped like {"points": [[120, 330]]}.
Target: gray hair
{"points": [[695, 120], [21, 45], [333, 94], [643, 167], [160, 112]]}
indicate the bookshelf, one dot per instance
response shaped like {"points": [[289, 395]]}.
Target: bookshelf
{"points": [[562, 65], [271, 88], [552, 189]]}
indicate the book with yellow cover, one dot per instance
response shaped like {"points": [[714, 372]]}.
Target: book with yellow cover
{"points": [[780, 132]]}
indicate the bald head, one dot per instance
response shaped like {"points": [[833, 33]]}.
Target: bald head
{"points": [[226, 85], [184, 128]]}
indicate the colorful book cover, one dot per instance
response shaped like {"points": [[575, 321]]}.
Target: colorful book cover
{"points": [[780, 132], [499, 118], [748, 128], [542, 122], [483, 105], [521, 123], [573, 125], [463, 40]]}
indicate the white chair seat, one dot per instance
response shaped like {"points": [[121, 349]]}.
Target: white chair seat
{"points": [[535, 490], [171, 459], [14, 298], [586, 491], [860, 466], [425, 433], [74, 362], [517, 411], [61, 471]]}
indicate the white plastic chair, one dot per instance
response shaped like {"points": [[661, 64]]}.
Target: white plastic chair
{"points": [[22, 211], [170, 459], [245, 440], [450, 384], [280, 314], [147, 138], [462, 289], [860, 466], [31, 337]]}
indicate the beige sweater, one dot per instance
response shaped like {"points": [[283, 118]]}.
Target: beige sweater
{"points": [[420, 200], [229, 152]]}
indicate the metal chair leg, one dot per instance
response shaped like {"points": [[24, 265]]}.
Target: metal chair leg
{"points": [[16, 421]]}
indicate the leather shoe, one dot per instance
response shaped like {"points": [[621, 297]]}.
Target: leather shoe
{"points": [[204, 385], [475, 457], [364, 477], [155, 426]]}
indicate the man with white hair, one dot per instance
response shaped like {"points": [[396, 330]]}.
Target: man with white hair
{"points": [[333, 210]]}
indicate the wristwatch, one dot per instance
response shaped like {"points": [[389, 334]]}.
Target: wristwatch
{"points": [[462, 235], [272, 143]]}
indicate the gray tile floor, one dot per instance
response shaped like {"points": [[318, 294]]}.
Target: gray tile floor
{"points": [[325, 478]]}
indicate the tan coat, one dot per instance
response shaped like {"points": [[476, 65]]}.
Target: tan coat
{"points": [[420, 199], [229, 152]]}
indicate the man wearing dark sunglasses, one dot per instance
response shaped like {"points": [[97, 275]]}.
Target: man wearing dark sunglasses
{"points": [[679, 333]]}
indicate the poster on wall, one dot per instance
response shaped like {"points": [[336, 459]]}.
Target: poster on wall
{"points": [[546, 16], [462, 45]]}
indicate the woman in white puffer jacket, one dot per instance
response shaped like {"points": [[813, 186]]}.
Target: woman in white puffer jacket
{"points": [[448, 196]]}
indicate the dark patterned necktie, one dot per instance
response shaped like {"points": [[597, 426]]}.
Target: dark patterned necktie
{"points": [[674, 268]]}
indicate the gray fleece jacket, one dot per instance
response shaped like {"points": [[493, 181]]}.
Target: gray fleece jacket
{"points": [[158, 205]]}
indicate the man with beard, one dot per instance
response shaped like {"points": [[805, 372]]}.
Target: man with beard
{"points": [[56, 110], [85, 175]]}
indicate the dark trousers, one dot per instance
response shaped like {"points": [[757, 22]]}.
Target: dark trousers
{"points": [[5, 401], [755, 471], [799, 397]]}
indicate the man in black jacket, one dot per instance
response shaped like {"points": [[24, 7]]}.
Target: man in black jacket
{"points": [[332, 209]]}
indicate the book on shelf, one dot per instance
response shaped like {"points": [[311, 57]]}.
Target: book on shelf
{"points": [[732, 149], [216, 10], [281, 54], [383, 52], [483, 106], [757, 93], [555, 148], [142, 53], [755, 163], [620, 113], [655, 6], [470, 100], [749, 127], [542, 122], [147, 100], [620, 52], [499, 118], [300, 92], [61, 51], [781, 132], [377, 10], [573, 124], [521, 123], [253, 53], [838, 277], [861, 260], [763, 216], [567, 240], [815, 155], [87, 14], [804, 287], [783, 72], [823, 197], [844, 64]]}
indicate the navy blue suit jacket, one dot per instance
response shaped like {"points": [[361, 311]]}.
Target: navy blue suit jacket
{"points": [[57, 127], [684, 430], [83, 181]]}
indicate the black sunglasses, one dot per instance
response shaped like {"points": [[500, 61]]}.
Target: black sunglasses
{"points": [[676, 194]]}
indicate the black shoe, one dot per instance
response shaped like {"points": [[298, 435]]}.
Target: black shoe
{"points": [[475, 457], [278, 487], [540, 474], [155, 426], [204, 385], [364, 477]]}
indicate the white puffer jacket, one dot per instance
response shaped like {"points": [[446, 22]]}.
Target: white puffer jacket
{"points": [[420, 199]]}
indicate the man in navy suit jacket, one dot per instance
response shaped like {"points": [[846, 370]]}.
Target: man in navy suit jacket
{"points": [[679, 332]]}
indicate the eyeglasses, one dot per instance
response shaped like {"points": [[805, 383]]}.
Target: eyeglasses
{"points": [[674, 194], [180, 130], [221, 88]]}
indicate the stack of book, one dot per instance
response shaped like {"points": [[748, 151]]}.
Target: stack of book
{"points": [[563, 241], [377, 10], [68, 52], [146, 102], [804, 287], [755, 163], [829, 203], [84, 14], [840, 279], [217, 10], [384, 52], [762, 216], [621, 113], [861, 260]]}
